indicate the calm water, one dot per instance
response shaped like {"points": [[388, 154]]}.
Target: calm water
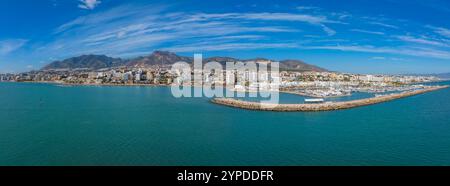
{"points": [[43, 124]]}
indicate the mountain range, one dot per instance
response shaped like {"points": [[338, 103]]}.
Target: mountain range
{"points": [[445, 76], [95, 62]]}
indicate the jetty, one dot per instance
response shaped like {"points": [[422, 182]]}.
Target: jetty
{"points": [[231, 102]]}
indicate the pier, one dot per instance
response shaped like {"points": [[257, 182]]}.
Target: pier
{"points": [[322, 106]]}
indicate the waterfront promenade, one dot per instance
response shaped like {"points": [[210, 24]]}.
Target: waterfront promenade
{"points": [[319, 107]]}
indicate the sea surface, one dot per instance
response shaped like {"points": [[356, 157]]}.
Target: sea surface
{"points": [[47, 124]]}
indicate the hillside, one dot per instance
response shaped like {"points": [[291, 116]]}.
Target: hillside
{"points": [[85, 62], [162, 58]]}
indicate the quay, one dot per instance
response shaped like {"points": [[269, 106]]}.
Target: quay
{"points": [[319, 107]]}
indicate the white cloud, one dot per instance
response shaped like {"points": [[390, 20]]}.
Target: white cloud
{"points": [[421, 41], [106, 17], [310, 19], [441, 31], [367, 31], [420, 52], [229, 47], [385, 58], [328, 30], [8, 46], [130, 30], [237, 37], [307, 8], [89, 4], [384, 25], [269, 16]]}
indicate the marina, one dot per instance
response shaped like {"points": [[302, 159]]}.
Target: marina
{"points": [[328, 106]]}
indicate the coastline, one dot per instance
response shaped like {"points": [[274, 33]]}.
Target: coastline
{"points": [[319, 107], [113, 84], [90, 84]]}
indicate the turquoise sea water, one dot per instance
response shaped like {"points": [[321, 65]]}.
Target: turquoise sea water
{"points": [[45, 124]]}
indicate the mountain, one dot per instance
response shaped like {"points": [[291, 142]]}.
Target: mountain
{"points": [[158, 58], [164, 58], [85, 62], [445, 76], [297, 65], [222, 60]]}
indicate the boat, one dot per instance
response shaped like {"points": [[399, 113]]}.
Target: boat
{"points": [[318, 100]]}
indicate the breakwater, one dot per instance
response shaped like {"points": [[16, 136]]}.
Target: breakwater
{"points": [[319, 107]]}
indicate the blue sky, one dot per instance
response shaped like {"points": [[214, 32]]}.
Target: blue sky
{"points": [[363, 36]]}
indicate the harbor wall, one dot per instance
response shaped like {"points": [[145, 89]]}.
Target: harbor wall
{"points": [[319, 107]]}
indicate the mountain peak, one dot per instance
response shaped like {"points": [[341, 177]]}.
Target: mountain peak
{"points": [[298, 65], [258, 59], [163, 53], [158, 58]]}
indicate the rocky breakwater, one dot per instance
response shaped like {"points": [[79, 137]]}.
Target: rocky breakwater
{"points": [[319, 107]]}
